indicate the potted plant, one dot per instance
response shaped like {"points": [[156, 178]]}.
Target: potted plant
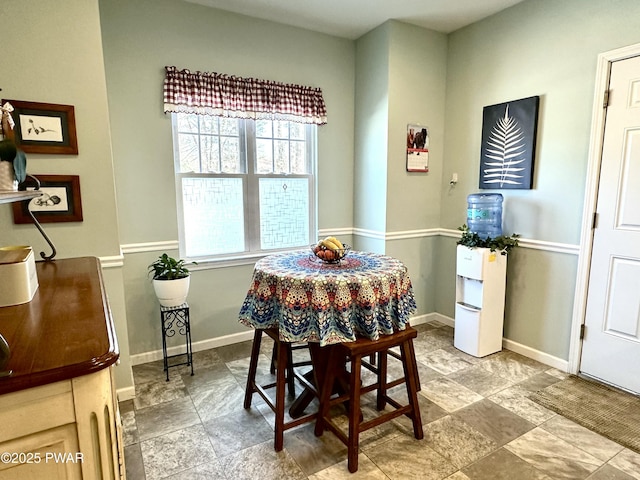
{"points": [[171, 279], [503, 243]]}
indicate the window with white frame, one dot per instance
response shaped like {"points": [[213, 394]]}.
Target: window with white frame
{"points": [[243, 186]]}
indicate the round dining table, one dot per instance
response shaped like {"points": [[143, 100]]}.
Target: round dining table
{"points": [[363, 295], [324, 304]]}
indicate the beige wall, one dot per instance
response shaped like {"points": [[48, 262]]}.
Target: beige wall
{"points": [[400, 79], [538, 47], [59, 60], [140, 38], [371, 136], [52, 53], [546, 48], [417, 90]]}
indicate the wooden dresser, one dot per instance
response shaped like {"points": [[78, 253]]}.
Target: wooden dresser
{"points": [[59, 415]]}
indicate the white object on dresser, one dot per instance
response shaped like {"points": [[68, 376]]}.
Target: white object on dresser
{"points": [[18, 275]]}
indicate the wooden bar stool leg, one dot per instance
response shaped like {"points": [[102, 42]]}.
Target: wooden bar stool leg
{"points": [[281, 369], [325, 377], [382, 381], [290, 376], [410, 374], [413, 355], [354, 413], [274, 358], [253, 367]]}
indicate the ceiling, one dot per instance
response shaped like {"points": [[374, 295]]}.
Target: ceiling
{"points": [[353, 18]]}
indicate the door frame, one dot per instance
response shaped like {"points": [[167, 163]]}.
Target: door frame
{"points": [[603, 73]]}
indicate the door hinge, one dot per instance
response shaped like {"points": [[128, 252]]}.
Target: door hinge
{"points": [[583, 329], [605, 102], [594, 223]]}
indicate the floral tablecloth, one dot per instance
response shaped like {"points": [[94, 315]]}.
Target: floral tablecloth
{"points": [[366, 294]]}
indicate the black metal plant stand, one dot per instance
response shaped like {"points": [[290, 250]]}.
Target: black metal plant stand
{"points": [[176, 320]]}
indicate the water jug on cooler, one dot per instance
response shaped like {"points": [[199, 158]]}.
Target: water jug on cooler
{"points": [[484, 214]]}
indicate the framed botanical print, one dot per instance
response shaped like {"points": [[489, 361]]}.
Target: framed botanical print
{"points": [[508, 144], [60, 201], [44, 127]]}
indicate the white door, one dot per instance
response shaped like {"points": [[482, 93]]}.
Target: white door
{"points": [[611, 345]]}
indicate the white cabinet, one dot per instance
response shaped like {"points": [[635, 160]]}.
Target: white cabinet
{"points": [[480, 290], [63, 430]]}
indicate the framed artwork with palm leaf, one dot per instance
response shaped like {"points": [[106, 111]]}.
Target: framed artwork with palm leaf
{"points": [[509, 144]]}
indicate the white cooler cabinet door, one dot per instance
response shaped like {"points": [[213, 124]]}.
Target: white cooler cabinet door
{"points": [[476, 333], [466, 335]]}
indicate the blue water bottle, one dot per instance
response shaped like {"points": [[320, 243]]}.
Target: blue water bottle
{"points": [[484, 214]]}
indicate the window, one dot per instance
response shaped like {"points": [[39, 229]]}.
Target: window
{"points": [[243, 187]]}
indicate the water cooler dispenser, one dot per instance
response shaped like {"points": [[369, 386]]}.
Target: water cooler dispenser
{"points": [[484, 214], [480, 282]]}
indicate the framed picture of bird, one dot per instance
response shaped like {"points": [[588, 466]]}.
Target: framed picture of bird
{"points": [[43, 127], [60, 200]]}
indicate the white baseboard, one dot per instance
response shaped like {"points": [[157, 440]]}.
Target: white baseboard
{"points": [[154, 355], [519, 348], [430, 317], [537, 355], [420, 319], [516, 347], [442, 319], [127, 393]]}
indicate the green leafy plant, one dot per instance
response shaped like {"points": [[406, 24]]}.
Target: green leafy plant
{"points": [[168, 268], [503, 244]]}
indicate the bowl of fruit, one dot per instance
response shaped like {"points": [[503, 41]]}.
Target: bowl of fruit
{"points": [[330, 250]]}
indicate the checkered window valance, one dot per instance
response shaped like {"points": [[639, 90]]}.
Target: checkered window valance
{"points": [[224, 95]]}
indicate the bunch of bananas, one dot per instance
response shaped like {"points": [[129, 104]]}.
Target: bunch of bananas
{"points": [[329, 249]]}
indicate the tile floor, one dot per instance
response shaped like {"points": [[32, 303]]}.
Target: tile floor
{"points": [[478, 424]]}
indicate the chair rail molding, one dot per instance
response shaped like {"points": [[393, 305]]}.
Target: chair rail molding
{"points": [[113, 261], [556, 247], [150, 246]]}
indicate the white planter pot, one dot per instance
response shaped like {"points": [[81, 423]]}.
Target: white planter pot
{"points": [[172, 293]]}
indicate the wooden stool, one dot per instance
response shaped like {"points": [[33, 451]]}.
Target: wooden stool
{"points": [[371, 364], [355, 351], [283, 360], [291, 365]]}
